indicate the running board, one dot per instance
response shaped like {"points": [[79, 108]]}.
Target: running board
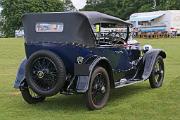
{"points": [[125, 82]]}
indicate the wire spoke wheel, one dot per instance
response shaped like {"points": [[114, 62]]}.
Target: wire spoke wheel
{"points": [[33, 94], [44, 73], [30, 96], [158, 72], [99, 89], [157, 75]]}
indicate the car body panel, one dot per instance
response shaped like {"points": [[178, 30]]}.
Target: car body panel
{"points": [[118, 56]]}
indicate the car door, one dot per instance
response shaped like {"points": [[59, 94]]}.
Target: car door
{"points": [[118, 57]]}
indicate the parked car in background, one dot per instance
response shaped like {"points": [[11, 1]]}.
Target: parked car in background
{"points": [[19, 33], [66, 54]]}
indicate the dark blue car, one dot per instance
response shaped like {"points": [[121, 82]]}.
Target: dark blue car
{"points": [[83, 52]]}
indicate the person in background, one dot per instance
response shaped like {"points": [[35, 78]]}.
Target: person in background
{"points": [[135, 32], [173, 32]]}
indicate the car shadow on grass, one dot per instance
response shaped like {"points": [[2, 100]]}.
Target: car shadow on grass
{"points": [[73, 103], [65, 103], [128, 91]]}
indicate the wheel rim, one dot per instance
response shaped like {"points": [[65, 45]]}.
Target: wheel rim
{"points": [[99, 89], [44, 73], [159, 72], [33, 94]]}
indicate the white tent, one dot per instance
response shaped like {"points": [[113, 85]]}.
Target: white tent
{"points": [[157, 20]]}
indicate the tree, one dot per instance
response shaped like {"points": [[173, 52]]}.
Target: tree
{"points": [[13, 11], [119, 8], [68, 6], [173, 4], [124, 8]]}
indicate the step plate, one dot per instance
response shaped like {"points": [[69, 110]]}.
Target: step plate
{"points": [[125, 82]]}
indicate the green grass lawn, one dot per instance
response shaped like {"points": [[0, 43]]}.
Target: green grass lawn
{"points": [[136, 102]]}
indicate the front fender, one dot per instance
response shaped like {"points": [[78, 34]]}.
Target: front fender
{"points": [[20, 77], [83, 81], [149, 59]]}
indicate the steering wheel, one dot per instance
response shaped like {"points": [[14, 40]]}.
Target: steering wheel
{"points": [[115, 37]]}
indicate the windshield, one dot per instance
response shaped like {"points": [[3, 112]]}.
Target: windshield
{"points": [[110, 33]]}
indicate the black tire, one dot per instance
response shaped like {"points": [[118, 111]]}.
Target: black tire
{"points": [[45, 73], [157, 76], [99, 85], [30, 97]]}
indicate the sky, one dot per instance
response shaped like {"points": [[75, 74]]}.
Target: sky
{"points": [[79, 4]]}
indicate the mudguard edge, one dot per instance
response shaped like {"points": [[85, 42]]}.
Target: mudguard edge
{"points": [[149, 60], [83, 81], [20, 77]]}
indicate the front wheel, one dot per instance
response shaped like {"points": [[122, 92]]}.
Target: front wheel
{"points": [[30, 96], [99, 89], [157, 76]]}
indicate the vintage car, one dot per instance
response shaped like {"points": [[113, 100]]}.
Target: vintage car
{"points": [[68, 53]]}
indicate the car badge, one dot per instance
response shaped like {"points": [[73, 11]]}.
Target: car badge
{"points": [[80, 60]]}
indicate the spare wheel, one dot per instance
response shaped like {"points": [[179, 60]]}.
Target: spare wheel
{"points": [[45, 73]]}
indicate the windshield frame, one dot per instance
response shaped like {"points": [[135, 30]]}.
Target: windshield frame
{"points": [[99, 34]]}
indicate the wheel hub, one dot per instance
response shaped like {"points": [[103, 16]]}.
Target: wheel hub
{"points": [[103, 89], [40, 74]]}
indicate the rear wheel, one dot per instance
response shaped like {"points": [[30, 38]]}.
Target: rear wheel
{"points": [[99, 89], [31, 97], [157, 76], [45, 73]]}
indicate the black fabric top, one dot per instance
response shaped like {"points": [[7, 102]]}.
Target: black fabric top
{"points": [[76, 26], [97, 17]]}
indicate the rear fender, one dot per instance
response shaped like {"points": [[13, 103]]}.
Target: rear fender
{"points": [[83, 81], [149, 59], [20, 77]]}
